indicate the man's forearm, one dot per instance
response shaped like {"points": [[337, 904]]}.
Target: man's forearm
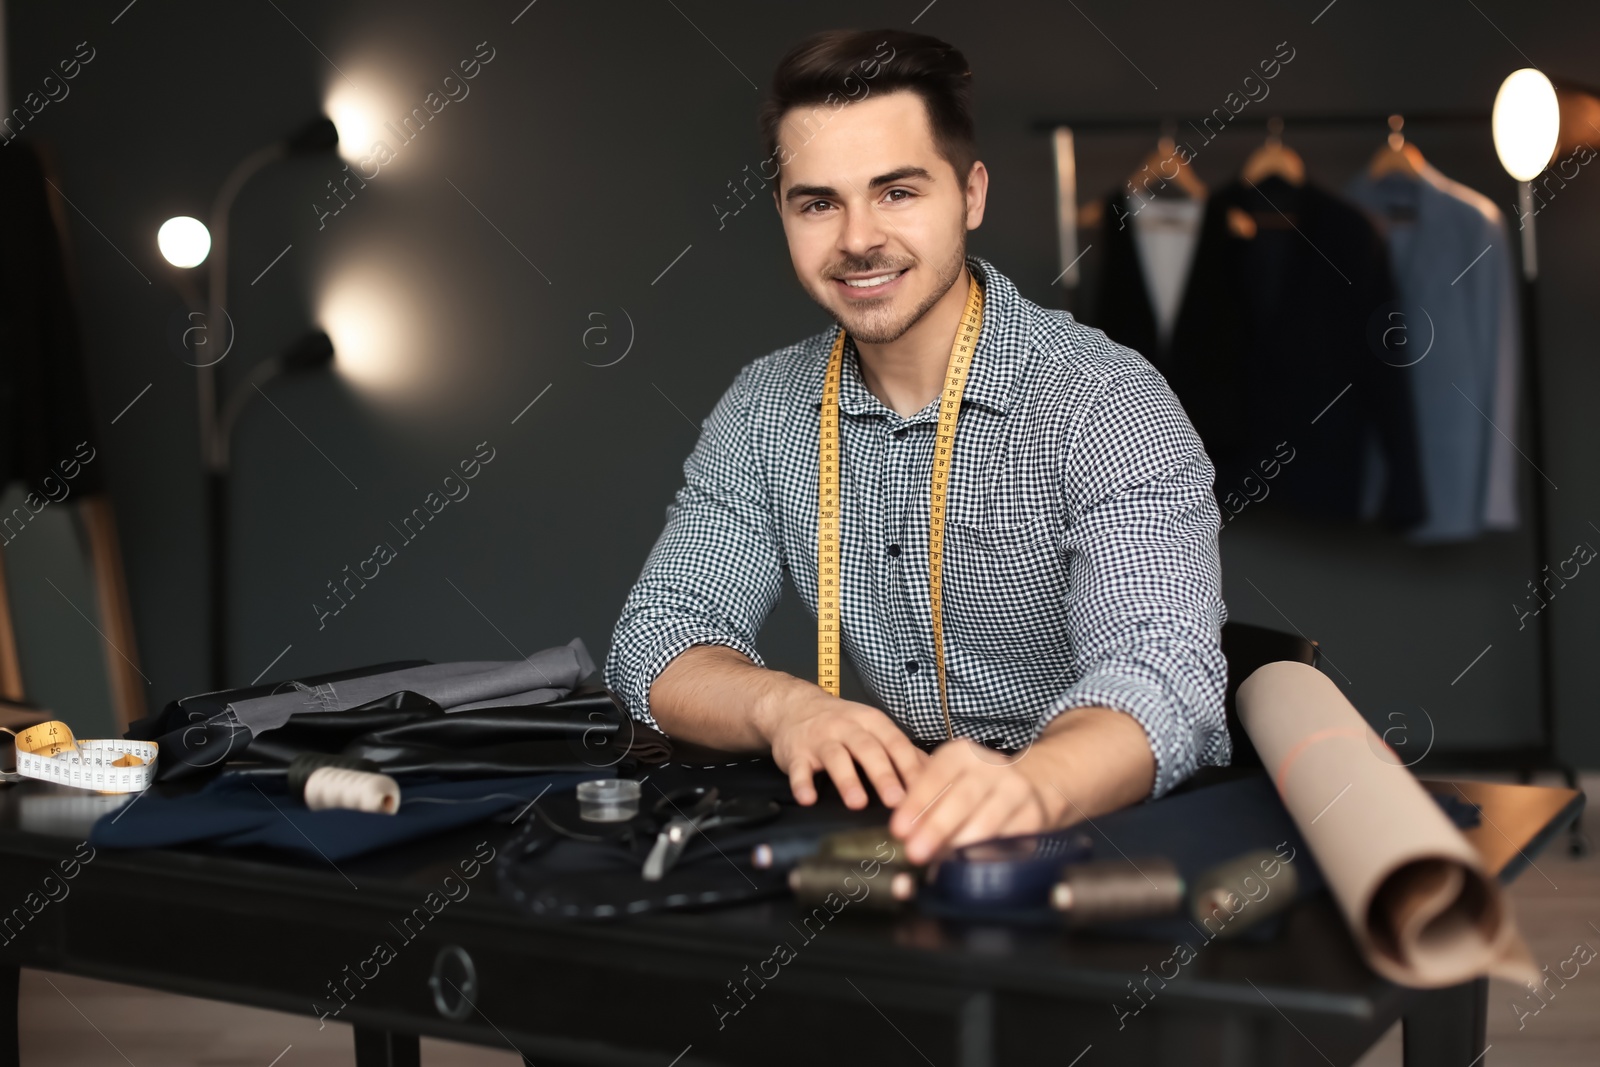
{"points": [[1099, 760], [713, 695]]}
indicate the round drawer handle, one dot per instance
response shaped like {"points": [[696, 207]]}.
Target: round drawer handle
{"points": [[454, 983]]}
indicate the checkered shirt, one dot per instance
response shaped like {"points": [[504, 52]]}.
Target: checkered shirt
{"points": [[1080, 549]]}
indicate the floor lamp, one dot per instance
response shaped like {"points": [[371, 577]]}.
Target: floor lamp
{"points": [[1535, 122], [186, 243]]}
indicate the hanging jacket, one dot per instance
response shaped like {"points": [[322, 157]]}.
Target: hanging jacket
{"points": [[1278, 343], [1124, 305]]}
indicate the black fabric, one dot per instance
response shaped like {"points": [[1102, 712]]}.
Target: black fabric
{"points": [[187, 711], [405, 733], [44, 393], [1247, 647], [1271, 329]]}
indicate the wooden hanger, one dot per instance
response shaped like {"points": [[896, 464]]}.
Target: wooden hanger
{"points": [[1152, 173], [1154, 170], [1274, 159], [1398, 156]]}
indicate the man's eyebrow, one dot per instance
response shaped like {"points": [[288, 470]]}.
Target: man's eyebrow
{"points": [[899, 176], [797, 192]]}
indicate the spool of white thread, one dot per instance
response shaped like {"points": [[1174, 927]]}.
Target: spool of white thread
{"points": [[341, 787]]}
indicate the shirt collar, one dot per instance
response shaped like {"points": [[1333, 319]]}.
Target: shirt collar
{"points": [[1003, 342]]}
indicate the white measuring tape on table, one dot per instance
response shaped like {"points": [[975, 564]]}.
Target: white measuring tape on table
{"points": [[108, 765]]}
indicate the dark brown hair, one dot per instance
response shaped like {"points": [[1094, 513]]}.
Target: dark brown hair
{"points": [[838, 67]]}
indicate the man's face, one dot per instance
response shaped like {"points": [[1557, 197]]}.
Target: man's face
{"points": [[876, 218]]}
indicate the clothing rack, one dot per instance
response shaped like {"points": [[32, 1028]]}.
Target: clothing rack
{"points": [[1066, 130], [1376, 119], [1527, 759]]}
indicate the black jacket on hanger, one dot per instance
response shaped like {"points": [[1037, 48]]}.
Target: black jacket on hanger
{"points": [[1122, 305], [1275, 343], [44, 394]]}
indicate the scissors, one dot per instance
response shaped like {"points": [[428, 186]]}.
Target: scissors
{"points": [[705, 810]]}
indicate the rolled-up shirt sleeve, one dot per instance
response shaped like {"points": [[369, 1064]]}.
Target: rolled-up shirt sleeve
{"points": [[1145, 608], [715, 572]]}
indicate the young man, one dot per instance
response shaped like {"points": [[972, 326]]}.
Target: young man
{"points": [[1079, 592]]}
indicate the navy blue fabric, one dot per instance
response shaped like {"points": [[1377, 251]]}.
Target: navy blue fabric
{"points": [[236, 810]]}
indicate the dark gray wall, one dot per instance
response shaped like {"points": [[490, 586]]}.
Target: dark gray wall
{"points": [[588, 157]]}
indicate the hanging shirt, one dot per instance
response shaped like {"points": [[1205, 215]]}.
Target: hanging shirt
{"points": [[1144, 271], [1451, 257], [1080, 556], [1500, 495], [1166, 230]]}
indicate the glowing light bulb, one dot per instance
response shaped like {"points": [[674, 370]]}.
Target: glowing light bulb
{"points": [[184, 241], [1527, 121], [359, 313], [355, 115]]}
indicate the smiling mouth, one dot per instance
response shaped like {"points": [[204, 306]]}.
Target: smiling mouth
{"points": [[875, 281]]}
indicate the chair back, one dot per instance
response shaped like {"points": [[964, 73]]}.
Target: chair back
{"points": [[1247, 647]]}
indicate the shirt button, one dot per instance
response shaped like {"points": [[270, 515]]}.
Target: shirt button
{"points": [[900, 434], [894, 550], [911, 666]]}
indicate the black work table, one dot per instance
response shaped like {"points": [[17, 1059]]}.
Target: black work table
{"points": [[270, 931]]}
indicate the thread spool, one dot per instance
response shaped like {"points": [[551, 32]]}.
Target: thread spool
{"points": [[853, 845], [1114, 890], [1013, 873], [784, 853], [1236, 895], [608, 800], [814, 879], [341, 787], [845, 845], [326, 780]]}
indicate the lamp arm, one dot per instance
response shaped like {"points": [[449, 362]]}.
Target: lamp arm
{"points": [[220, 455], [217, 284]]}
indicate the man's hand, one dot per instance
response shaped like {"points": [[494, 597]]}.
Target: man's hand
{"points": [[715, 696], [822, 732], [971, 793], [1087, 762]]}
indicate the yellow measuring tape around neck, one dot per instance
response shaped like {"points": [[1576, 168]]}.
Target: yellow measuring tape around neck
{"points": [[828, 650]]}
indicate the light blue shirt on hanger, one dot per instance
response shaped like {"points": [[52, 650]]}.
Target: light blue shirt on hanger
{"points": [[1452, 260]]}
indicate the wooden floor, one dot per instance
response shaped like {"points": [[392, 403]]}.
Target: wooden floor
{"points": [[77, 1022]]}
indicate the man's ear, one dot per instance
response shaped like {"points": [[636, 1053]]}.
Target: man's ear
{"points": [[977, 193], [777, 202]]}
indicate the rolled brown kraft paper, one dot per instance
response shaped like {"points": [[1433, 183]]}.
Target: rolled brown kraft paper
{"points": [[1413, 890]]}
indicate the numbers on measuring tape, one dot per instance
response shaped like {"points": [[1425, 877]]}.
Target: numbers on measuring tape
{"points": [[49, 751], [828, 499]]}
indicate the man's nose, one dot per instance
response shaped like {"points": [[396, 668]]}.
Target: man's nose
{"points": [[863, 232]]}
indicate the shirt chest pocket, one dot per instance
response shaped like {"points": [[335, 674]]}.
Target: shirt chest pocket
{"points": [[1005, 589]]}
